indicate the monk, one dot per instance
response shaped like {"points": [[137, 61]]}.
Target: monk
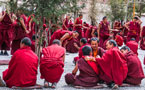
{"points": [[6, 33], [91, 32], [52, 63], [78, 26], [142, 43], [117, 26], [135, 71], [70, 25], [133, 45], [134, 28], [119, 39], [22, 69], [83, 42], [63, 35], [20, 31], [96, 50], [103, 31], [66, 23], [85, 27], [112, 66], [88, 71]]}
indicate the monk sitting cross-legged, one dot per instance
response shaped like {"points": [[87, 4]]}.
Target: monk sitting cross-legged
{"points": [[135, 72], [22, 69], [88, 76], [52, 63]]}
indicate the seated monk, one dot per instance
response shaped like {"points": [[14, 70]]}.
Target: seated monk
{"points": [[133, 45], [83, 42], [96, 50], [142, 43], [88, 71], [119, 40], [135, 72], [112, 66], [52, 63], [22, 69], [63, 35]]}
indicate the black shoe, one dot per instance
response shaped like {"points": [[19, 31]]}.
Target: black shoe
{"points": [[113, 86], [6, 53], [53, 85], [1, 53]]}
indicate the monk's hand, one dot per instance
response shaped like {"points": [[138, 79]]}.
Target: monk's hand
{"points": [[98, 56], [87, 58], [75, 45]]}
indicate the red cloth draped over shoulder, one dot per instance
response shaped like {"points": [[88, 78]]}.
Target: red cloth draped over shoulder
{"points": [[22, 69], [59, 34], [133, 45], [119, 40], [51, 64], [113, 64]]}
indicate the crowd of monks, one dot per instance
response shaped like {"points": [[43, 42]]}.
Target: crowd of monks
{"points": [[99, 61]]}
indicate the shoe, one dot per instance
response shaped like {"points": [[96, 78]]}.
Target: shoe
{"points": [[2, 84], [6, 53], [1, 53], [113, 85], [53, 85], [46, 84]]}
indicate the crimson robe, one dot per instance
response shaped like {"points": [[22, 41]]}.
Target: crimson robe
{"points": [[19, 34], [134, 31], [113, 66], [119, 40], [85, 29], [104, 33], [22, 69], [6, 33], [142, 45], [133, 45], [51, 64], [135, 72], [89, 31], [70, 46], [70, 25], [66, 24], [59, 34], [79, 28], [87, 77]]}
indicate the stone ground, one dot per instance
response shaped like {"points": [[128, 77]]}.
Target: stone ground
{"points": [[68, 68]]}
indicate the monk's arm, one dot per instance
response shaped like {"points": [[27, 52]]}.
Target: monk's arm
{"points": [[141, 32], [75, 70], [65, 36], [23, 25], [2, 17], [99, 30], [92, 33], [127, 25], [76, 46], [30, 25], [64, 24], [109, 28]]}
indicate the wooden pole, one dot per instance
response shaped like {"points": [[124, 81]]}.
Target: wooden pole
{"points": [[134, 9]]}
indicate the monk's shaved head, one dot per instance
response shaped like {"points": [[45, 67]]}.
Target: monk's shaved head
{"points": [[26, 41], [56, 41], [87, 50], [125, 49]]}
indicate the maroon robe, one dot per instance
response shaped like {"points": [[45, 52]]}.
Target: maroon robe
{"points": [[104, 33], [66, 24], [22, 69], [142, 45], [19, 33], [113, 66], [59, 34], [119, 40], [135, 71], [6, 33], [89, 31], [134, 31], [79, 28], [87, 76], [85, 29], [70, 26], [51, 64], [70, 45], [133, 45], [33, 46]]}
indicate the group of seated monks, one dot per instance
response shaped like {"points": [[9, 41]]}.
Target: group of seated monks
{"points": [[112, 67]]}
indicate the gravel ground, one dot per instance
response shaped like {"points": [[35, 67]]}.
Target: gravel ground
{"points": [[68, 68]]}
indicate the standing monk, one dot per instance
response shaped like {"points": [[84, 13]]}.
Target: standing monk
{"points": [[142, 43], [78, 26], [52, 63], [20, 31], [66, 23], [135, 71], [134, 28], [103, 31], [5, 33], [22, 69]]}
